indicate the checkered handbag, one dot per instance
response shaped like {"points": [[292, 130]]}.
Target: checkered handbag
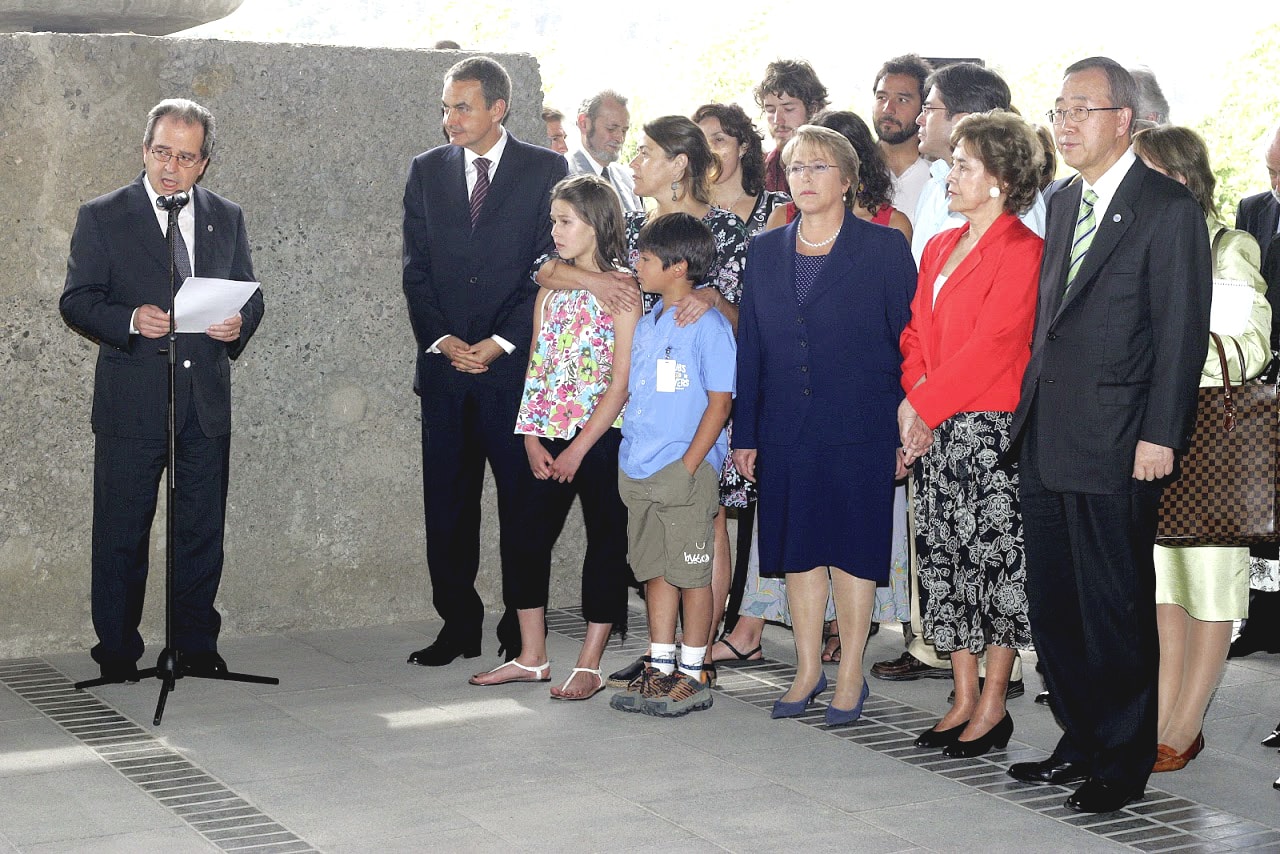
{"points": [[1226, 491]]}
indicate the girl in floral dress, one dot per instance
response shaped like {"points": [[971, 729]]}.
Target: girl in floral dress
{"points": [[574, 392]]}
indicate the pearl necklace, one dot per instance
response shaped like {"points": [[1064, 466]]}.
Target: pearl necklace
{"points": [[819, 244]]}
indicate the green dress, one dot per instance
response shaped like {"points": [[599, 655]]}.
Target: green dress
{"points": [[1212, 582]]}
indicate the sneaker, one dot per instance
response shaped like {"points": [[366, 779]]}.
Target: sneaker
{"points": [[628, 699], [906, 668], [624, 677], [675, 695]]}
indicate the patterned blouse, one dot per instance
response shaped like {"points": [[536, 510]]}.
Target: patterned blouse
{"points": [[731, 251], [570, 367], [765, 203]]}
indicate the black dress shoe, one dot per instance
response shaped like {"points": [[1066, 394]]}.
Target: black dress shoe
{"points": [[1042, 699], [204, 664], [939, 737], [622, 678], [998, 736], [119, 672], [1051, 770], [442, 652], [1100, 796], [1272, 740]]}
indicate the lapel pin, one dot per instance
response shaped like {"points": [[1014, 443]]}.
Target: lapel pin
{"points": [[1114, 218], [211, 226]]}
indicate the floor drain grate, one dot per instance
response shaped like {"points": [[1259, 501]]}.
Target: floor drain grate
{"points": [[214, 811], [1160, 822]]}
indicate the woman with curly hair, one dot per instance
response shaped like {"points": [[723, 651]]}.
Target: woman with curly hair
{"points": [[963, 356], [739, 185]]}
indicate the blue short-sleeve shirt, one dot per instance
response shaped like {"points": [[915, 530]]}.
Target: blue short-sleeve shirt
{"points": [[660, 424]]}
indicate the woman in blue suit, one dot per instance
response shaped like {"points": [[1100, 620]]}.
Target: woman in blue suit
{"points": [[824, 303]]}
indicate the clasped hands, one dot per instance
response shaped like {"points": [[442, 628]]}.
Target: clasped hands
{"points": [[915, 435], [153, 322], [1150, 461], [470, 358]]}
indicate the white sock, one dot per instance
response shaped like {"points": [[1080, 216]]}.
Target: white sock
{"points": [[663, 657], [691, 658]]}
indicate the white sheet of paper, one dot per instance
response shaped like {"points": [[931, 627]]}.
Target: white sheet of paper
{"points": [[1232, 305], [200, 303], [666, 375]]}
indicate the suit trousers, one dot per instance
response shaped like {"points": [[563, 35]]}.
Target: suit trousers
{"points": [[126, 479], [463, 425], [605, 573], [1091, 590]]}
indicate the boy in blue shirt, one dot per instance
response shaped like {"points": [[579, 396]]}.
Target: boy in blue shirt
{"points": [[673, 446]]}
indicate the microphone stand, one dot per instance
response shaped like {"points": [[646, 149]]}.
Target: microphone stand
{"points": [[169, 667]]}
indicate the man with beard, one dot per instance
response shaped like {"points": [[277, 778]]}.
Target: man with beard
{"points": [[603, 121], [899, 94], [790, 95]]}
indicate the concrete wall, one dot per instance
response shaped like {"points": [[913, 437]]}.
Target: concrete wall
{"points": [[325, 513]]}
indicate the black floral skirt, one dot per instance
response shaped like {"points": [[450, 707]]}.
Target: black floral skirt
{"points": [[972, 558]]}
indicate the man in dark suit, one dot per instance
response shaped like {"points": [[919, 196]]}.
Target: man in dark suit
{"points": [[1259, 214], [1107, 398], [476, 217], [117, 293]]}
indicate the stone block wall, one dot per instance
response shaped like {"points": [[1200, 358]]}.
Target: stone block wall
{"points": [[325, 515]]}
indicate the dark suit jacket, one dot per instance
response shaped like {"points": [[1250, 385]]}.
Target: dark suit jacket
{"points": [[829, 367], [1119, 360], [120, 260], [474, 283], [1258, 214]]}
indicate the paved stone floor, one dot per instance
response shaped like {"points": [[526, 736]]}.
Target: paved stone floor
{"points": [[357, 751]]}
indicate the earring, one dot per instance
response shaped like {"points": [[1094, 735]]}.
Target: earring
{"points": [[994, 192], [675, 188]]}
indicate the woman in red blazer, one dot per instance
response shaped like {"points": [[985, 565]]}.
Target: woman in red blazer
{"points": [[963, 355]]}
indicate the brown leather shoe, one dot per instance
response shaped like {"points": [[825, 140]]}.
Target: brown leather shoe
{"points": [[1168, 759], [907, 667]]}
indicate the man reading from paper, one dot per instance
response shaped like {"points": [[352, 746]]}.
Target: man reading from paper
{"points": [[117, 293]]}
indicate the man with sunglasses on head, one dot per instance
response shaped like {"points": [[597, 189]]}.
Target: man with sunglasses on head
{"points": [[118, 294]]}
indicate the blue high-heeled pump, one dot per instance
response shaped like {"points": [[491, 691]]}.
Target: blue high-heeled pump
{"points": [[844, 717], [783, 709]]}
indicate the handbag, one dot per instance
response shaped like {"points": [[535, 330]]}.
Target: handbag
{"points": [[1226, 493]]}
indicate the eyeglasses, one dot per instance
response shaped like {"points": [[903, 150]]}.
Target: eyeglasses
{"points": [[164, 155], [926, 108], [1076, 114], [795, 170]]}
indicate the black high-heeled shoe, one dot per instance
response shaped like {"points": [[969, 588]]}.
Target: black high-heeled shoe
{"points": [[998, 736], [940, 737]]}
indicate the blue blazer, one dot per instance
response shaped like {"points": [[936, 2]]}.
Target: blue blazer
{"points": [[120, 260], [825, 371], [474, 282]]}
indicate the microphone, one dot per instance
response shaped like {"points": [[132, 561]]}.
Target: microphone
{"points": [[172, 203]]}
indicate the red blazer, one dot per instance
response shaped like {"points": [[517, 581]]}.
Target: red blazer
{"points": [[973, 343]]}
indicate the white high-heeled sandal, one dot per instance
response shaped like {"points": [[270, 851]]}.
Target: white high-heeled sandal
{"points": [[541, 673], [594, 671]]}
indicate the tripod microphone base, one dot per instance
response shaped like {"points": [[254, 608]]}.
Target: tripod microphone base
{"points": [[169, 669]]}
